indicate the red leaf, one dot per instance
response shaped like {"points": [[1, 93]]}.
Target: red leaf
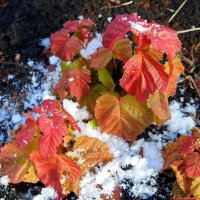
{"points": [[188, 146], [62, 87], [78, 81], [50, 171], [53, 130], [161, 37], [118, 28], [164, 39], [143, 75], [48, 106], [26, 134], [64, 46], [192, 163]]}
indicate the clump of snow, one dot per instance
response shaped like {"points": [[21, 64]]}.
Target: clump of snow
{"points": [[92, 47], [4, 180], [45, 42], [80, 17], [10, 77], [47, 193], [53, 60], [16, 118], [109, 19], [30, 63], [153, 155], [179, 123]]}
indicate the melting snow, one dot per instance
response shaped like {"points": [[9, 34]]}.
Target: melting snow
{"points": [[47, 193]]}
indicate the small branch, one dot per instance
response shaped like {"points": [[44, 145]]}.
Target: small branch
{"points": [[188, 30], [172, 17], [117, 6]]}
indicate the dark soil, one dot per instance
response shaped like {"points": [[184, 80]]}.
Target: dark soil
{"points": [[24, 22]]}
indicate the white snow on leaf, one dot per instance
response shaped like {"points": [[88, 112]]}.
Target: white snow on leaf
{"points": [[139, 26], [92, 47]]}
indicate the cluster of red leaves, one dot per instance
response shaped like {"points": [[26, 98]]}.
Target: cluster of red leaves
{"points": [[39, 152], [130, 104], [183, 157]]}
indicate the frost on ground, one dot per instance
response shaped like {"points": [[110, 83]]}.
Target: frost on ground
{"points": [[130, 169]]}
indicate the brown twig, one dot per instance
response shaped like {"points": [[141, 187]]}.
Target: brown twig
{"points": [[117, 6]]}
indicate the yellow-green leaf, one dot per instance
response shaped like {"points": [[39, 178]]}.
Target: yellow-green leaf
{"points": [[106, 79], [195, 187]]}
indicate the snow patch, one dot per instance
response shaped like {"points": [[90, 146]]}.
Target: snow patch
{"points": [[4, 180], [45, 42], [47, 193], [92, 47]]}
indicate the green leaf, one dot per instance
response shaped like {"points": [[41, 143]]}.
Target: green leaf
{"points": [[176, 190], [93, 123], [106, 79]]}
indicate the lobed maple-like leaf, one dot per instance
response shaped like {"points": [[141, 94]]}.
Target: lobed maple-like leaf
{"points": [[90, 151], [53, 130], [49, 107], [174, 68], [192, 165], [158, 102], [118, 28], [93, 150], [143, 75], [125, 117], [171, 152], [50, 171], [161, 37], [64, 46], [16, 164], [78, 82], [54, 124], [26, 134]]}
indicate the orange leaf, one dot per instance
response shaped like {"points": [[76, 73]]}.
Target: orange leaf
{"points": [[158, 102], [125, 117], [180, 177], [101, 58], [171, 152], [16, 164], [174, 68], [93, 151]]}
